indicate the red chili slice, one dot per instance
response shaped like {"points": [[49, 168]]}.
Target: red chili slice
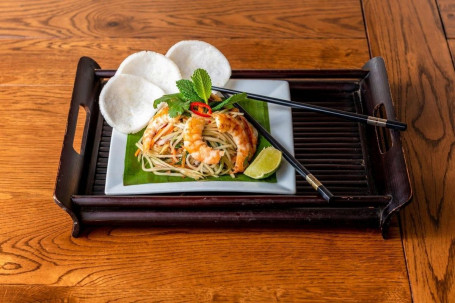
{"points": [[198, 109]]}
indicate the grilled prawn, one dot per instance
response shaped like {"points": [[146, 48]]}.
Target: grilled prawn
{"points": [[159, 124], [194, 144], [238, 131]]}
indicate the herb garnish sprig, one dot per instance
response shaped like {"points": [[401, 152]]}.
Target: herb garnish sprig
{"points": [[198, 89]]}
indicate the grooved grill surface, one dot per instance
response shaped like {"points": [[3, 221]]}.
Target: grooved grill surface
{"points": [[329, 147]]}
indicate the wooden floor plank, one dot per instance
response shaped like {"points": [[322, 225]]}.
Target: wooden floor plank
{"points": [[409, 35], [41, 262], [452, 49], [181, 19], [447, 11], [55, 60], [30, 294]]}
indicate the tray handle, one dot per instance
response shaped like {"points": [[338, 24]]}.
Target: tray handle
{"points": [[392, 159], [72, 164]]}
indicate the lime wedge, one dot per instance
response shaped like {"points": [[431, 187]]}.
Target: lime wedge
{"points": [[265, 164]]}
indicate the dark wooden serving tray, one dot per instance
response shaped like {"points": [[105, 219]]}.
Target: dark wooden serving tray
{"points": [[362, 165]]}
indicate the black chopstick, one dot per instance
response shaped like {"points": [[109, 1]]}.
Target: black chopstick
{"points": [[312, 180], [371, 120]]}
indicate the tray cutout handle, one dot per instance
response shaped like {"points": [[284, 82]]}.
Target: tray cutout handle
{"points": [[391, 165], [80, 133], [383, 135], [70, 176]]}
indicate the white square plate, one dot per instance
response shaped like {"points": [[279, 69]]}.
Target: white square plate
{"points": [[281, 128]]}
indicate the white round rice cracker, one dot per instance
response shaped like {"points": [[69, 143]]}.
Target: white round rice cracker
{"points": [[126, 102], [153, 67], [190, 55]]}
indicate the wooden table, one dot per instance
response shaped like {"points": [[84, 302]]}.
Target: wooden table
{"points": [[41, 43]]}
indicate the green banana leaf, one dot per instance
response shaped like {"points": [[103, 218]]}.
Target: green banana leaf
{"points": [[133, 173]]}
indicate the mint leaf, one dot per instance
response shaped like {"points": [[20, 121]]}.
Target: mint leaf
{"points": [[231, 100], [177, 108], [177, 104], [202, 84], [166, 98], [186, 88]]}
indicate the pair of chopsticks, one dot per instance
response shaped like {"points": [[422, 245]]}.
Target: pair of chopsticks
{"points": [[371, 120]]}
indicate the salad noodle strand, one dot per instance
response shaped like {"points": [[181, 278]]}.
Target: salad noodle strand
{"points": [[167, 157]]}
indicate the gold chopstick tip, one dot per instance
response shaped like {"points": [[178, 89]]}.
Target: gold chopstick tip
{"points": [[313, 181]]}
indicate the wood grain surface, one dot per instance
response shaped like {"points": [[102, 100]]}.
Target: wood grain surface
{"points": [[452, 49], [181, 19], [55, 60], [40, 44], [422, 81], [447, 12]]}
